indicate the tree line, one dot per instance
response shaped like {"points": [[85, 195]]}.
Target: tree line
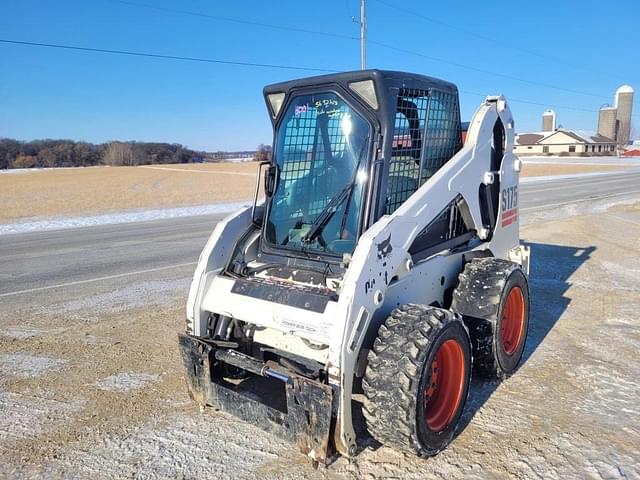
{"points": [[68, 153]]}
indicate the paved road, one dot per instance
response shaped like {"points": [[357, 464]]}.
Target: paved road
{"points": [[540, 195], [35, 263]]}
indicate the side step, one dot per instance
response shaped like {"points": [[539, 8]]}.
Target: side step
{"points": [[309, 404]]}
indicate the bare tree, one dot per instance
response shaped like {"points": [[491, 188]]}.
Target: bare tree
{"points": [[118, 153], [47, 157], [24, 161], [263, 154], [68, 153]]}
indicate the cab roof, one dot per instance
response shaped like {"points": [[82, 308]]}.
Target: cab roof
{"points": [[387, 84], [383, 79]]}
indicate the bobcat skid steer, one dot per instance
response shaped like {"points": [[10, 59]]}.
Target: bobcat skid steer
{"points": [[383, 264]]}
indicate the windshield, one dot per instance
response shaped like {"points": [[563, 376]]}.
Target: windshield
{"points": [[321, 149]]}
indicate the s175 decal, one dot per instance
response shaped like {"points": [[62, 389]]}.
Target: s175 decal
{"points": [[509, 198], [509, 205]]}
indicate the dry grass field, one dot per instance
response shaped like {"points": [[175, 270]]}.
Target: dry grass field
{"points": [[537, 170], [81, 191]]}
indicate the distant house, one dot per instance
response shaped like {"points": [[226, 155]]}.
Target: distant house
{"points": [[565, 142]]}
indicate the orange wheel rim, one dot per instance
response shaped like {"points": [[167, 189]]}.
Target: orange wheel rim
{"points": [[512, 324], [443, 395]]}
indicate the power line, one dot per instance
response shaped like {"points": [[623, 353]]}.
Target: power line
{"points": [[162, 56], [546, 105], [482, 70], [363, 35], [235, 20], [381, 44], [490, 39], [237, 63], [529, 102]]}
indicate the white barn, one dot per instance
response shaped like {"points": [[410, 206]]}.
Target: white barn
{"points": [[565, 142]]}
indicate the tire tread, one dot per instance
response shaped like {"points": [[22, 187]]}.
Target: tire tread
{"points": [[394, 371], [477, 299]]}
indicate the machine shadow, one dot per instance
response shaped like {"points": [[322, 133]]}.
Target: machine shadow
{"points": [[550, 271]]}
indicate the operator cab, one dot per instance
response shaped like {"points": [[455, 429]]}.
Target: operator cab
{"points": [[321, 157], [348, 149]]}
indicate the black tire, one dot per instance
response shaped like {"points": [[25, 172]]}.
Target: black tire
{"points": [[400, 371], [481, 297]]}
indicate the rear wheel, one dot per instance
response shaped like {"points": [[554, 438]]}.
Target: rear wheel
{"points": [[417, 379], [493, 297]]}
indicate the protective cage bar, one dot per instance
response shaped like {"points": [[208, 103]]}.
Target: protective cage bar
{"points": [[307, 421], [426, 134]]}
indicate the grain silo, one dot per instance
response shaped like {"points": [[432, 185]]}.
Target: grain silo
{"points": [[608, 122], [624, 105], [549, 121]]}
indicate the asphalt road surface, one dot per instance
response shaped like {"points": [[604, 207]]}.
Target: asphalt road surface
{"points": [[38, 262]]}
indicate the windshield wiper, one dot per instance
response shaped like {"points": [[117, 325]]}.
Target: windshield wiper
{"points": [[327, 213], [331, 208]]}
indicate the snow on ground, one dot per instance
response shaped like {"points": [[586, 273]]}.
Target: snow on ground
{"points": [[160, 214], [612, 160], [116, 218], [18, 171], [129, 296], [22, 333], [568, 412], [123, 382], [170, 451], [551, 178], [627, 278], [28, 366], [29, 416], [193, 170], [58, 223], [588, 206], [239, 159]]}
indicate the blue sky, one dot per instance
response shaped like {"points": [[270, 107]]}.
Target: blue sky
{"points": [[588, 46]]}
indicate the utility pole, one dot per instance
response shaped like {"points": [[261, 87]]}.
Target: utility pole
{"points": [[363, 35]]}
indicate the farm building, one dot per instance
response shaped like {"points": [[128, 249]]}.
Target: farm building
{"points": [[632, 153], [564, 141]]}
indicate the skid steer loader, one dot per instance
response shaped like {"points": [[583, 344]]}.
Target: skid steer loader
{"points": [[382, 265]]}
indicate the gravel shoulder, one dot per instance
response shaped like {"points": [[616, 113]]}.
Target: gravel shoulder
{"points": [[91, 381]]}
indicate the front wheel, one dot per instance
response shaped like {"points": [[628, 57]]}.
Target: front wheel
{"points": [[417, 379]]}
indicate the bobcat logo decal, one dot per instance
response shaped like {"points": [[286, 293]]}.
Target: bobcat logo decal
{"points": [[384, 249]]}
